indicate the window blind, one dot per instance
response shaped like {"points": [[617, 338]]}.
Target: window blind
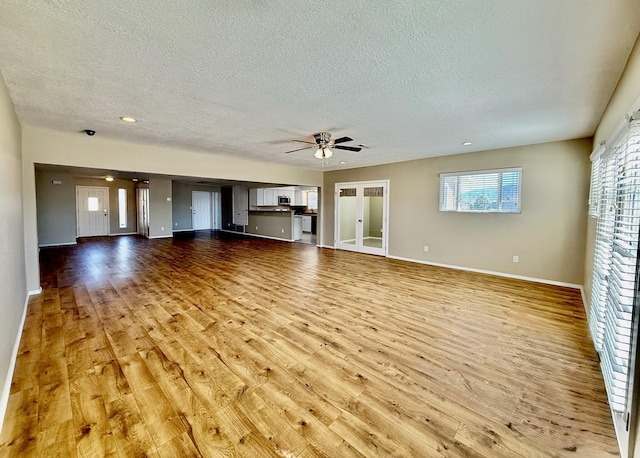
{"points": [[616, 194], [481, 191]]}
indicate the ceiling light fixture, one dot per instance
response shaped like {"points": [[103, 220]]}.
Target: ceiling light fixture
{"points": [[323, 153], [343, 162], [109, 179], [127, 119], [134, 179], [466, 143]]}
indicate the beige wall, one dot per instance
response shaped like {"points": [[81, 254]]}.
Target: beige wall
{"points": [[13, 285], [160, 207], [548, 236], [56, 206], [77, 149], [181, 203], [278, 225]]}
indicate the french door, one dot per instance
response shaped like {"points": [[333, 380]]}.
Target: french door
{"points": [[361, 217], [92, 207]]}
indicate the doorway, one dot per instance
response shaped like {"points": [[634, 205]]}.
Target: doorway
{"points": [[361, 216], [206, 210], [143, 211], [92, 207]]}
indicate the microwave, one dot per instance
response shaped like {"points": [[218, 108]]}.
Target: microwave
{"points": [[284, 200]]}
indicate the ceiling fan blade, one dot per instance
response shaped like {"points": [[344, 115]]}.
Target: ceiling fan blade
{"points": [[299, 149], [342, 140], [302, 141], [348, 148]]}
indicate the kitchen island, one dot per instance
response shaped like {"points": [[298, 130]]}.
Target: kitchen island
{"points": [[275, 224]]}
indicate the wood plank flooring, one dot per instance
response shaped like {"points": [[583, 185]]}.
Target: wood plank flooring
{"points": [[211, 345]]}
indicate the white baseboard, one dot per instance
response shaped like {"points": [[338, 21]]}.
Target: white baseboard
{"points": [[331, 247], [6, 390], [187, 230], [267, 237], [160, 236], [490, 272], [122, 233], [46, 245]]}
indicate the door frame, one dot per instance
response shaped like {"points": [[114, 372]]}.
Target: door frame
{"points": [[210, 209], [360, 185], [108, 210]]}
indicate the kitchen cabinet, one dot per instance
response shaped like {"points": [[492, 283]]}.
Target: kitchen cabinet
{"points": [[306, 224], [240, 205], [253, 196], [300, 198], [270, 197]]}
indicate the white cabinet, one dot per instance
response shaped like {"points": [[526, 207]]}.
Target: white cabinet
{"points": [[270, 197], [253, 196], [300, 198], [240, 205], [306, 224]]}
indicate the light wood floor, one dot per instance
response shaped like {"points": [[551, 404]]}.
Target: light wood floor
{"points": [[210, 346]]}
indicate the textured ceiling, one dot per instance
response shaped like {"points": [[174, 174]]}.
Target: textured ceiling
{"points": [[410, 79]]}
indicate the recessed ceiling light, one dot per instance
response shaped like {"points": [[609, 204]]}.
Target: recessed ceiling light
{"points": [[466, 143], [343, 162], [134, 179], [127, 119], [109, 178]]}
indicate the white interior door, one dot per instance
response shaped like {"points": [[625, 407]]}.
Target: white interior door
{"points": [[201, 210], [361, 217], [143, 211], [92, 207]]}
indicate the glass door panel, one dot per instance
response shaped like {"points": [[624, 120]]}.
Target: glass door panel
{"points": [[372, 217], [347, 216]]}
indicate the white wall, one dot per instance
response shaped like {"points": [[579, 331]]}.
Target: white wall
{"points": [[12, 267], [46, 146]]}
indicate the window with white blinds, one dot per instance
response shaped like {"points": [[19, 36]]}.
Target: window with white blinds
{"points": [[481, 191], [615, 202]]}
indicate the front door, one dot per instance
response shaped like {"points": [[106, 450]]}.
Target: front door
{"points": [[201, 210], [92, 207], [361, 217]]}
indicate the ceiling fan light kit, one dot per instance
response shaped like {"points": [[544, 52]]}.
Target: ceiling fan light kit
{"points": [[323, 143]]}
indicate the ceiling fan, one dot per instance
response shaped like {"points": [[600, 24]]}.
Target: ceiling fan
{"points": [[323, 145]]}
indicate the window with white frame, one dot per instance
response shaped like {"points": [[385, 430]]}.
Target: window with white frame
{"points": [[482, 191], [312, 200], [122, 207], [614, 200]]}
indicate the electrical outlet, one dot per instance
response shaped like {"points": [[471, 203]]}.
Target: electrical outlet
{"points": [[256, 228], [426, 248], [176, 224], [516, 259], [283, 231], [162, 228]]}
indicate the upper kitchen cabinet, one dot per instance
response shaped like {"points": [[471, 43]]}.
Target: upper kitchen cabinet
{"points": [[300, 198], [269, 197]]}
